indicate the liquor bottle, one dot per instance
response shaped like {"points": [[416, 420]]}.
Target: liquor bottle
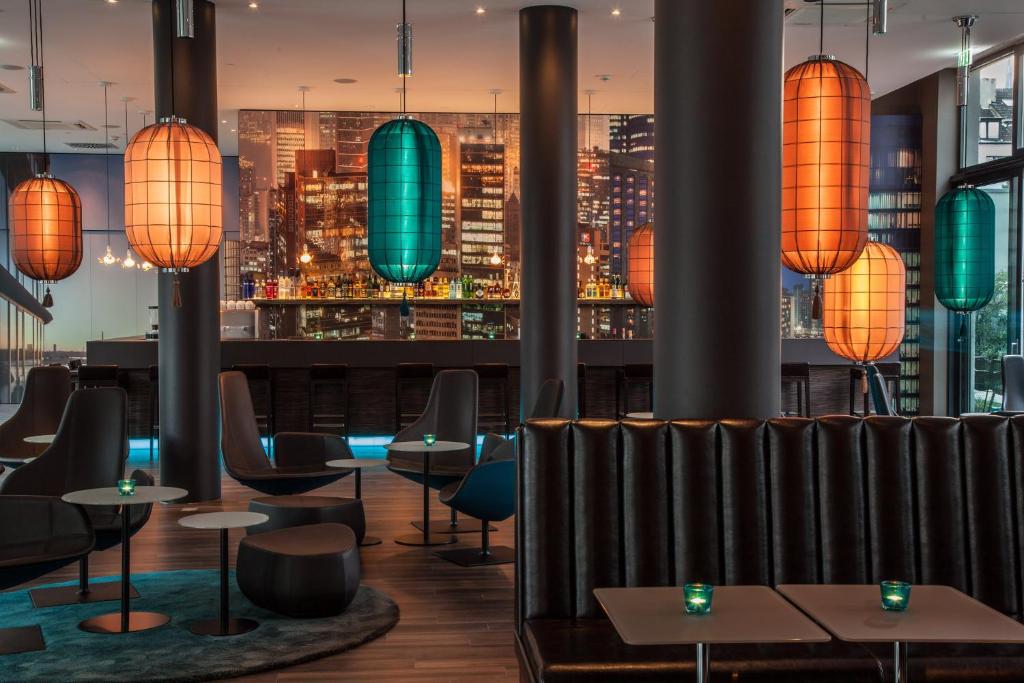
{"points": [[479, 291], [456, 291], [515, 286], [260, 289], [506, 293]]}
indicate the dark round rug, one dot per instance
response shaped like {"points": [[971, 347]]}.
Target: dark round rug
{"points": [[172, 653]]}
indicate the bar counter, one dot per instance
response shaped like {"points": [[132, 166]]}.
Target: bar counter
{"points": [[372, 375]]}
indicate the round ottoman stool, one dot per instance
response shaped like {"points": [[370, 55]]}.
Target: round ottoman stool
{"points": [[290, 511], [307, 571]]}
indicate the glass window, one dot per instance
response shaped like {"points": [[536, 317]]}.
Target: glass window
{"points": [[993, 333], [990, 98]]}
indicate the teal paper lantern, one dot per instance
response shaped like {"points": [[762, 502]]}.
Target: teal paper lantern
{"points": [[965, 244], [404, 213]]}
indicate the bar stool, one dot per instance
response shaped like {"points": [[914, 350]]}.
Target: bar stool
{"points": [[799, 375], [581, 389], [493, 380], [329, 380], [154, 407], [411, 376], [261, 376], [94, 376], [632, 375], [890, 372]]}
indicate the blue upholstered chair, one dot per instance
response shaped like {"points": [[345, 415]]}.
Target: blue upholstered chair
{"points": [[488, 493]]}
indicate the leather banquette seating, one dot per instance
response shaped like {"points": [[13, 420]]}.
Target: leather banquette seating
{"points": [[839, 499]]}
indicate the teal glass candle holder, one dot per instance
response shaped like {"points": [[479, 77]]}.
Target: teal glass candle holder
{"points": [[895, 595], [429, 439], [126, 487], [697, 597]]}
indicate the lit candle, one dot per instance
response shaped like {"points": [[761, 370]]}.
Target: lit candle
{"points": [[430, 439], [895, 595], [126, 487], [697, 597]]}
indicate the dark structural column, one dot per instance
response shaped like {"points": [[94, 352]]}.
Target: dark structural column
{"points": [[189, 336], [547, 105], [717, 128]]}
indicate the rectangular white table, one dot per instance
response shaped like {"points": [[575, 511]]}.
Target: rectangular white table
{"points": [[936, 614], [739, 614]]}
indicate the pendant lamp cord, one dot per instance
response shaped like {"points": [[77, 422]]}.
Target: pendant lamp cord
{"points": [[106, 154], [405, 76], [867, 42], [35, 19], [821, 29]]}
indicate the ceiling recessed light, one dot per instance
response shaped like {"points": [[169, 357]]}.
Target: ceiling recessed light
{"points": [[111, 2], [232, 130], [223, 120], [481, 10], [345, 81], [616, 12], [254, 5]]}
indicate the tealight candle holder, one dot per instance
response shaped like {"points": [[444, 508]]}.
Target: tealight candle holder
{"points": [[429, 439], [895, 595], [697, 597], [126, 487]]}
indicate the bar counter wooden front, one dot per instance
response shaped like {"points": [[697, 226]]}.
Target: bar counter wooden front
{"points": [[372, 374]]}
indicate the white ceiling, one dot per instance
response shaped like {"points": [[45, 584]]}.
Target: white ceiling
{"points": [[459, 56]]}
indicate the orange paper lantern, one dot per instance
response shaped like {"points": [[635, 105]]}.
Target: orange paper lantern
{"points": [[641, 264], [172, 194], [46, 228], [826, 163], [865, 306]]}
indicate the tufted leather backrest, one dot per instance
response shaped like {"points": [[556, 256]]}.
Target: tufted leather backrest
{"points": [[839, 499]]}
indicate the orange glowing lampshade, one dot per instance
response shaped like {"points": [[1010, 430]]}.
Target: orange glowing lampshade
{"points": [[172, 194], [640, 254], [46, 228], [826, 138], [865, 306]]}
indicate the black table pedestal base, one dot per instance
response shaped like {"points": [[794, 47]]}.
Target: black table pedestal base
{"points": [[214, 627], [18, 639], [111, 623], [370, 540], [463, 526], [73, 595], [425, 539], [474, 557]]}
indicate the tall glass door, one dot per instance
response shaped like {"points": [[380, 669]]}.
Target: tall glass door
{"points": [[996, 329]]}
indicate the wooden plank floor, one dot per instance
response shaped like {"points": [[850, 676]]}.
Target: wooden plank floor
{"points": [[456, 623]]}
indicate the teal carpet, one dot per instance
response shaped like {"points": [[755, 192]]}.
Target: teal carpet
{"points": [[172, 653]]}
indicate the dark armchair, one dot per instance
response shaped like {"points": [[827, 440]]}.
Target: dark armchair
{"points": [[49, 534], [90, 450], [299, 457], [547, 405], [451, 414], [46, 393], [487, 493], [1013, 383]]}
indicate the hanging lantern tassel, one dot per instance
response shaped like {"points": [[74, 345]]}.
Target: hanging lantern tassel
{"points": [[177, 290], [403, 310], [864, 379], [816, 304], [48, 299]]}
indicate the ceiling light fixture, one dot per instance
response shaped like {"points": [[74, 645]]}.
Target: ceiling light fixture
{"points": [[964, 58], [345, 81], [172, 192], [45, 212], [481, 10], [128, 261], [404, 214], [825, 164], [495, 259], [111, 2], [254, 5], [616, 12]]}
